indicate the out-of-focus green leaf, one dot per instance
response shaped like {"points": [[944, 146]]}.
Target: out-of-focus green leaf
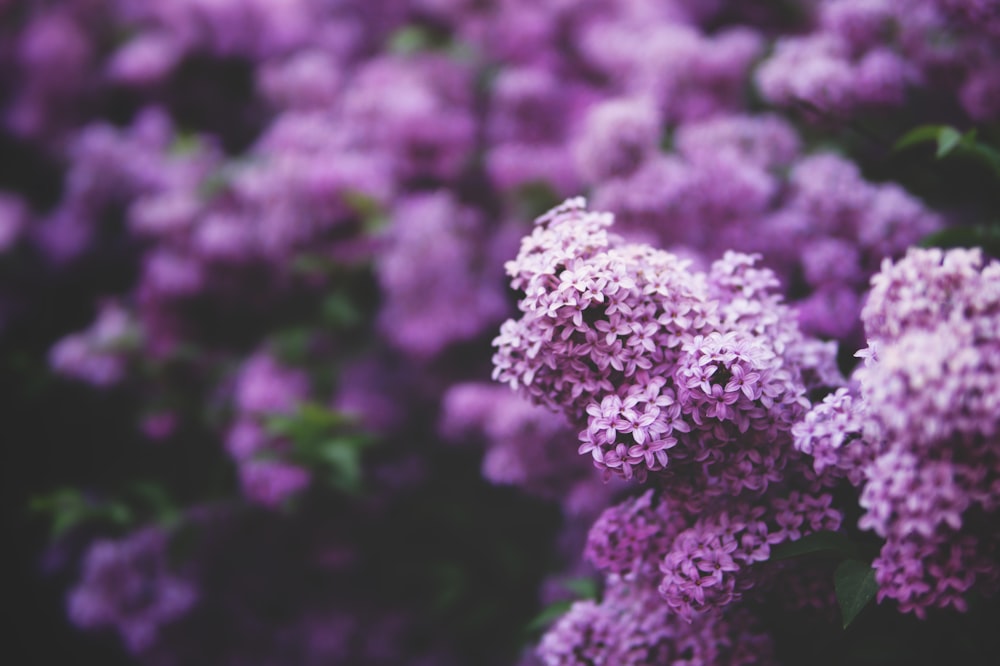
{"points": [[548, 615], [68, 508], [817, 543], [583, 588], [185, 143], [918, 135], [947, 140], [855, 586], [323, 439], [409, 39], [361, 203], [157, 501], [339, 311], [986, 237]]}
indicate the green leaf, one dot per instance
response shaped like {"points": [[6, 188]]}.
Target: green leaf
{"points": [[339, 311], [291, 345], [918, 135], [68, 508], [825, 542], [548, 615], [987, 155], [361, 203], [185, 143], [409, 40], [343, 461], [855, 586], [986, 237], [583, 588], [947, 139], [158, 501]]}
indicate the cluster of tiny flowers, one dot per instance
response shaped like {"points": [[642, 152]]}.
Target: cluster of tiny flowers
{"points": [[864, 53], [629, 538], [709, 564], [831, 434], [631, 627], [662, 363], [265, 388], [127, 584], [919, 435], [353, 174], [689, 380], [742, 182]]}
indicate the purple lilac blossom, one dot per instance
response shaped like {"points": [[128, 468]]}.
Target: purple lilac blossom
{"points": [[99, 354], [689, 74], [863, 54], [657, 360], [54, 55], [666, 367], [531, 119], [618, 135], [265, 388], [426, 128], [127, 584], [917, 432], [429, 269], [726, 186], [631, 627]]}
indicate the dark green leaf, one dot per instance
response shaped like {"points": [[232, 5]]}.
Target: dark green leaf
{"points": [[947, 139], [340, 312], [826, 542], [987, 155], [551, 612], [918, 135], [583, 588], [854, 583], [986, 237]]}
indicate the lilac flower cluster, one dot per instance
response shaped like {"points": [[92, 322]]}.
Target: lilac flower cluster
{"points": [[917, 433], [127, 584], [873, 54], [742, 182], [630, 626], [99, 354], [662, 363], [689, 380], [263, 389], [305, 205]]}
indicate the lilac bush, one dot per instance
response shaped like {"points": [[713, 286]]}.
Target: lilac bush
{"points": [[253, 256]]}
